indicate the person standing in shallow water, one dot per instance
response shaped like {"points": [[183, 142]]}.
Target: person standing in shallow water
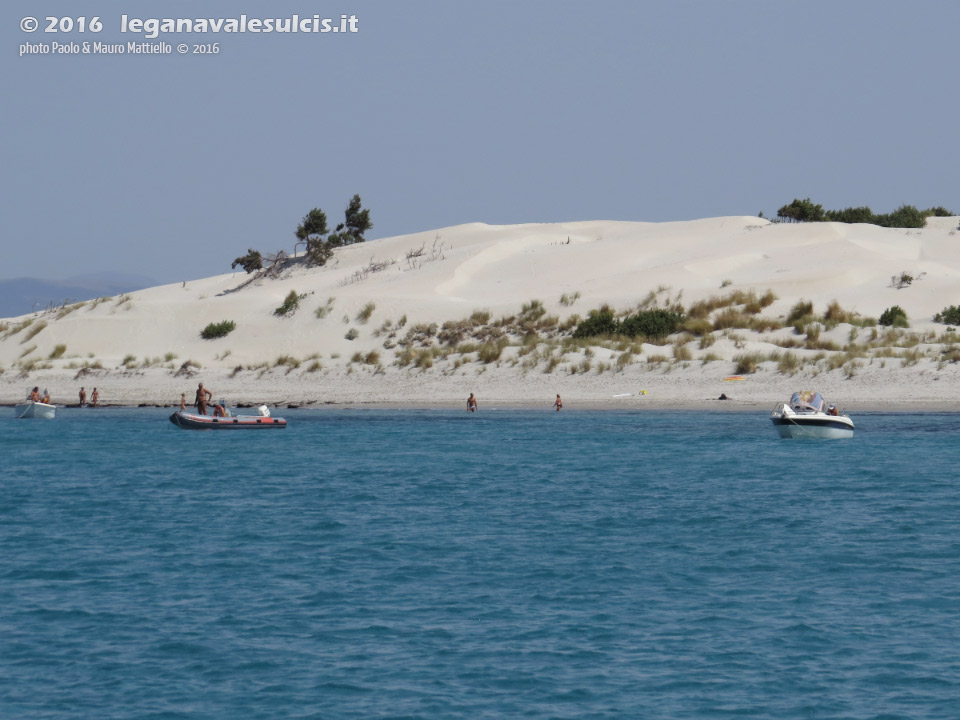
{"points": [[472, 403], [558, 403], [83, 397], [203, 395], [96, 397]]}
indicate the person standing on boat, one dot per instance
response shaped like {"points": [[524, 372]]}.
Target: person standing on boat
{"points": [[472, 403], [203, 395], [83, 397]]}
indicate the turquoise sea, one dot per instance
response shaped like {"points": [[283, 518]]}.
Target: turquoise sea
{"points": [[503, 564]]}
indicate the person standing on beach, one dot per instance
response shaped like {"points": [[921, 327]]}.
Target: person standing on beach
{"points": [[95, 397], [472, 403], [183, 401], [83, 397], [558, 404], [203, 395]]}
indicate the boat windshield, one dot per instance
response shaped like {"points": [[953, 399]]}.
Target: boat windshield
{"points": [[807, 401]]}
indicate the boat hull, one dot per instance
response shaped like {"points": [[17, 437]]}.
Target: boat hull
{"points": [[813, 426], [190, 421], [32, 410]]}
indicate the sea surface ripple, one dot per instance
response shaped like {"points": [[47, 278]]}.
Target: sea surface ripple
{"points": [[441, 564]]}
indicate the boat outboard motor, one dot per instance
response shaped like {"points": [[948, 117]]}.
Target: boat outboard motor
{"points": [[264, 411]]}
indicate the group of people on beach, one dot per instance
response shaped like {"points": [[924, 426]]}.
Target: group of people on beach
{"points": [[37, 396], [204, 397], [472, 403]]}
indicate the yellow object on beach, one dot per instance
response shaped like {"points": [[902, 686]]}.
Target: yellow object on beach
{"points": [[734, 377]]}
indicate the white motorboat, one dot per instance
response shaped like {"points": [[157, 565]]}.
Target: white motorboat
{"points": [[807, 415], [31, 409]]}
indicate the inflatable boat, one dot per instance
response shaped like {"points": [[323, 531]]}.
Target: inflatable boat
{"points": [[193, 421]]}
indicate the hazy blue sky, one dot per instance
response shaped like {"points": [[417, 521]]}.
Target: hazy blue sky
{"points": [[442, 112]]}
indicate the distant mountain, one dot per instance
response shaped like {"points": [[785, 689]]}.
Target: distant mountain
{"points": [[19, 296]]}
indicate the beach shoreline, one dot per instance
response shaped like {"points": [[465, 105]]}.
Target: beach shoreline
{"points": [[913, 389], [767, 308]]}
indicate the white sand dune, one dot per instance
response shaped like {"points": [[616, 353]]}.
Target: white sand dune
{"points": [[444, 275]]}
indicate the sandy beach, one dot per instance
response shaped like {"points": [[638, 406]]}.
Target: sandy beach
{"points": [[368, 328]]}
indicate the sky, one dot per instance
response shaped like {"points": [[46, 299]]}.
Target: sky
{"points": [[440, 113]]}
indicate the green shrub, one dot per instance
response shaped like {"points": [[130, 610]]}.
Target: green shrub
{"points": [[802, 211], [250, 262], [948, 316], [905, 216], [904, 279], [290, 304], [894, 317], [58, 352], [217, 330], [352, 334], [598, 322], [651, 323], [657, 323]]}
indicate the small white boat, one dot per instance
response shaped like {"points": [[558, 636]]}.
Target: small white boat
{"points": [[31, 409], [807, 415]]}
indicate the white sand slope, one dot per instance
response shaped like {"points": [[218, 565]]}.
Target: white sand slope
{"points": [[443, 275]]}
